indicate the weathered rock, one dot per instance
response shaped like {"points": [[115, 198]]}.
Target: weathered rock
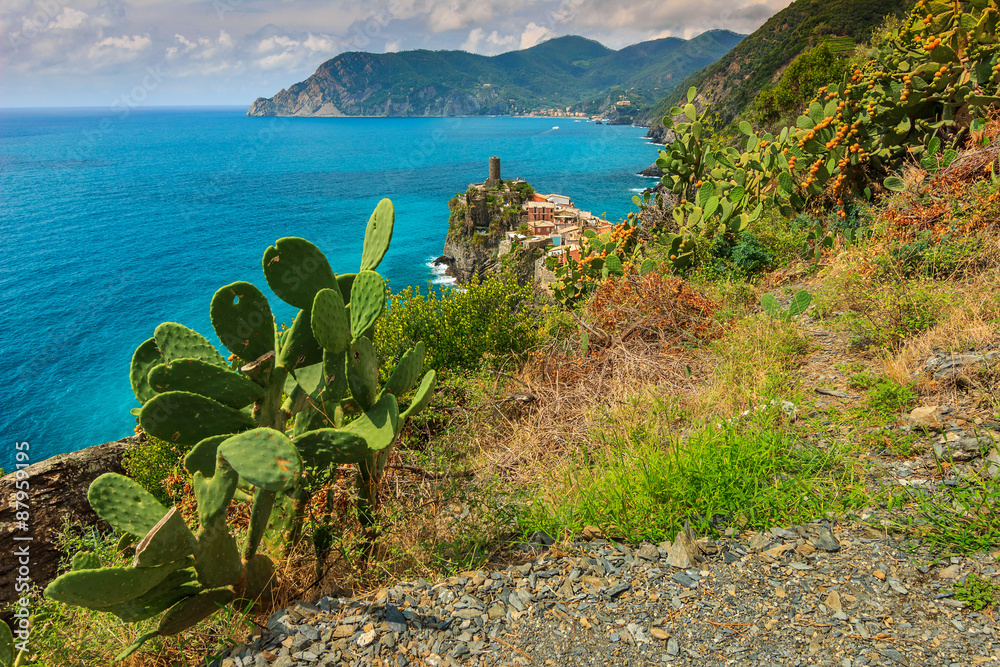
{"points": [[926, 417], [57, 493], [652, 171], [825, 539]]}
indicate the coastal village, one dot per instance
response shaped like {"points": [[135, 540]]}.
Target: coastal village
{"points": [[547, 221]]}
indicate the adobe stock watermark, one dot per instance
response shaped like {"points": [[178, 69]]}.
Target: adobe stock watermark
{"points": [[36, 23], [358, 37], [21, 548]]}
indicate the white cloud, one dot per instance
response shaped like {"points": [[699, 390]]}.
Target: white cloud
{"points": [[479, 42], [320, 44], [393, 46], [203, 49], [501, 42], [471, 43], [69, 19], [454, 15], [126, 43], [275, 43], [114, 50], [533, 34]]}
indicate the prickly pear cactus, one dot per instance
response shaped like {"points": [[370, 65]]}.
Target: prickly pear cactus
{"points": [[233, 414]]}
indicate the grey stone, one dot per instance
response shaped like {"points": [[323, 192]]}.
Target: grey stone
{"points": [[894, 655], [618, 590], [825, 539], [684, 580], [280, 623], [648, 552], [395, 619]]}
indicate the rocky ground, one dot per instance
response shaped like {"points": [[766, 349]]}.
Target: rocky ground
{"points": [[842, 594], [842, 591]]}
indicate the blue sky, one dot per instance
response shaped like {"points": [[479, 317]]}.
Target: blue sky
{"points": [[209, 52]]}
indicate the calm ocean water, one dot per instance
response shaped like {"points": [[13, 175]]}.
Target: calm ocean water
{"points": [[111, 225]]}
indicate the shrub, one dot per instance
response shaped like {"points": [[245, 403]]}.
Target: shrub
{"points": [[150, 463], [486, 321], [885, 315], [799, 82], [652, 308], [889, 397]]}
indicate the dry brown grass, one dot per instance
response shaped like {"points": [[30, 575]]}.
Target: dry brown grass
{"points": [[638, 331], [970, 322]]}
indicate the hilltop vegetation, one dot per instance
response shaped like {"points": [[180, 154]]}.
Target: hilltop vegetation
{"points": [[564, 72], [732, 83]]}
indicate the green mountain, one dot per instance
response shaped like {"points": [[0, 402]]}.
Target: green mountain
{"points": [[563, 72], [733, 82]]}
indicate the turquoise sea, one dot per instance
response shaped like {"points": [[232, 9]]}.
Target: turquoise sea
{"points": [[112, 223]]}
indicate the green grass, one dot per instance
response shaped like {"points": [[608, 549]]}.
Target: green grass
{"points": [[977, 593], [962, 519], [642, 486], [887, 398]]}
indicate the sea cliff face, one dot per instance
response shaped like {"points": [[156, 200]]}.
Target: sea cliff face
{"points": [[464, 259]]}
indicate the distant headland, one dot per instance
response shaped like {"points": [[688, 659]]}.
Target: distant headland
{"points": [[567, 75]]}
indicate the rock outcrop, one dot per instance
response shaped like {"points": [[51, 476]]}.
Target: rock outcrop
{"points": [[56, 493], [466, 259]]}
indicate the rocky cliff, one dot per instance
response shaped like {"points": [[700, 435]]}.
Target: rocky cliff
{"points": [[57, 494]]}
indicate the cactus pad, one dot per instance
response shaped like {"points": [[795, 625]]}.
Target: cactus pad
{"points": [[107, 586], [169, 540], [190, 611], [6, 645], [309, 379], [124, 504], [346, 281], [295, 270], [187, 418], [201, 458], [215, 493], [258, 573], [406, 372], [264, 457], [331, 325], [378, 426], [311, 420], [177, 586], [335, 372], [326, 446], [299, 347], [85, 560], [243, 321], [367, 302], [176, 341], [362, 372], [200, 377], [218, 560], [425, 392], [378, 234], [146, 356]]}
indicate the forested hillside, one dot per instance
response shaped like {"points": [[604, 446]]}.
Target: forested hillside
{"points": [[733, 82], [564, 72]]}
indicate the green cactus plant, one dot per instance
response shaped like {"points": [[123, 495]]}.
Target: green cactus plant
{"points": [[322, 374], [913, 100], [800, 302]]}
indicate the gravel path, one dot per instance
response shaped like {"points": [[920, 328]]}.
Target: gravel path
{"points": [[803, 596]]}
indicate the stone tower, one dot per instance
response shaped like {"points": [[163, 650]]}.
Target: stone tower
{"points": [[494, 178]]}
